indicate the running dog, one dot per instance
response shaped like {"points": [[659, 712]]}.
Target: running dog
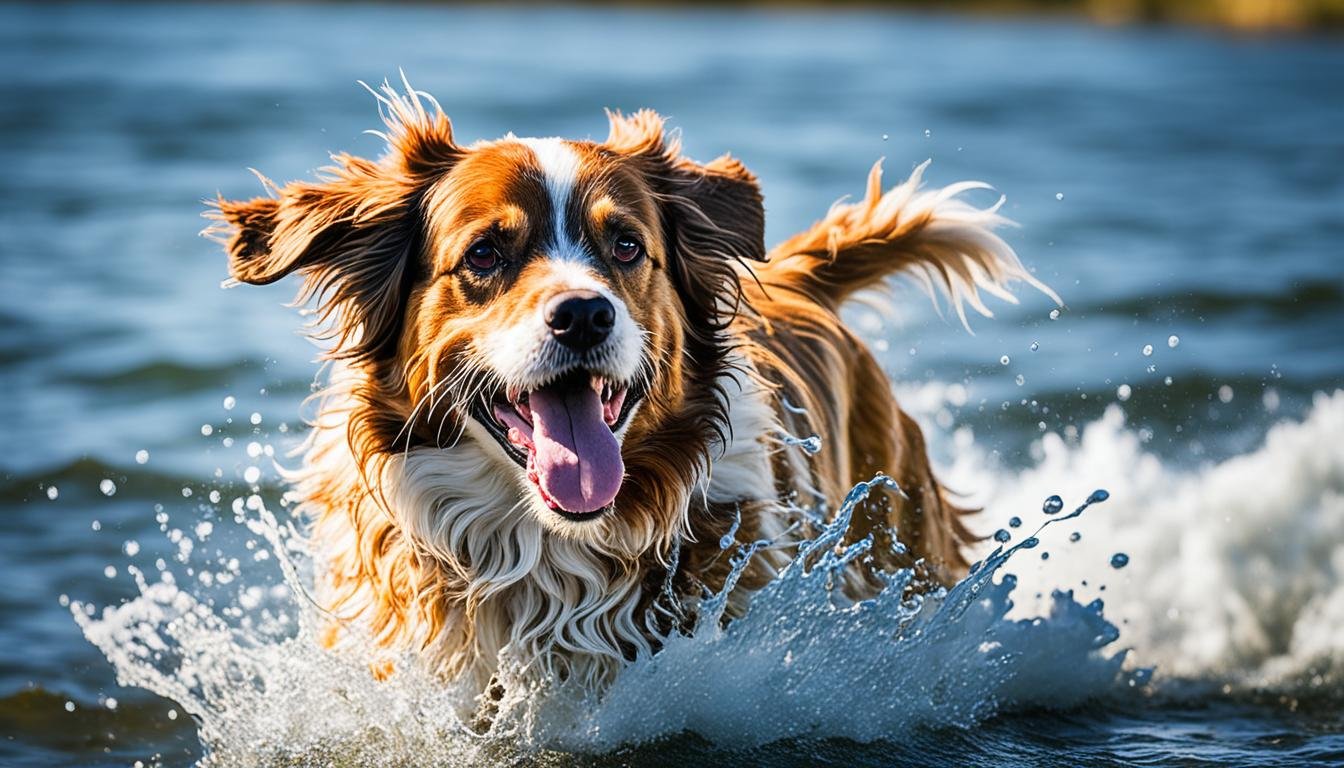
{"points": [[564, 370]]}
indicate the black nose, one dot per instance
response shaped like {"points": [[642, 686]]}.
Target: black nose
{"points": [[580, 319]]}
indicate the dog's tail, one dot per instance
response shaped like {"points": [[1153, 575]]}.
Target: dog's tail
{"points": [[931, 234]]}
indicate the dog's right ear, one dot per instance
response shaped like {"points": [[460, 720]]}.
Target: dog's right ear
{"points": [[249, 247], [353, 233], [352, 220]]}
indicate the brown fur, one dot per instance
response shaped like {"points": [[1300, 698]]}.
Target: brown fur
{"points": [[379, 245]]}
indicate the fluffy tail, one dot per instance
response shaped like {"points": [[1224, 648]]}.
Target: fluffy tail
{"points": [[931, 234]]}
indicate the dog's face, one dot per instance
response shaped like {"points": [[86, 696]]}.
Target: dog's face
{"points": [[560, 303], [550, 294]]}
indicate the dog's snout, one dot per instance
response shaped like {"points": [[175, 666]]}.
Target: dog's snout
{"points": [[580, 319]]}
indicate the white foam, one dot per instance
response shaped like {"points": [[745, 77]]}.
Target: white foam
{"points": [[1236, 569]]}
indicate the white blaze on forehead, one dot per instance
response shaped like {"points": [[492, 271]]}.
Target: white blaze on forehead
{"points": [[560, 169], [524, 353]]}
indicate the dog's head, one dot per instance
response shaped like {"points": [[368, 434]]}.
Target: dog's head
{"points": [[563, 303]]}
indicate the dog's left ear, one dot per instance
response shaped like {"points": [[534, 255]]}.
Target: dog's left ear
{"points": [[713, 213]]}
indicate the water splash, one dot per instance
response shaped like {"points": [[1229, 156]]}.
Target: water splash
{"points": [[728, 538], [1233, 581], [810, 445], [803, 662]]}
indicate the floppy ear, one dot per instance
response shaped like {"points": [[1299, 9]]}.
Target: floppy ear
{"points": [[713, 214], [353, 233], [253, 222]]}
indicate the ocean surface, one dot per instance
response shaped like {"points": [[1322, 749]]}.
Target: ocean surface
{"points": [[1182, 191]]}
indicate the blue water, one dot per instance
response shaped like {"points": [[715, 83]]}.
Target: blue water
{"points": [[1169, 183]]}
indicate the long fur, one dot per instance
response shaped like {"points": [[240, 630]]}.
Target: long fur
{"points": [[431, 540], [932, 235]]}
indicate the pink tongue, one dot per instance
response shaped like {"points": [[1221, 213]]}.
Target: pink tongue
{"points": [[577, 459]]}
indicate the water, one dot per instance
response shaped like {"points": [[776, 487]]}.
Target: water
{"points": [[1170, 184]]}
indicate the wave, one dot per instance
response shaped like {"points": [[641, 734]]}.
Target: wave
{"points": [[1233, 581], [1236, 568]]}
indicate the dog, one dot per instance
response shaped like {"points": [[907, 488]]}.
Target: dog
{"points": [[563, 371]]}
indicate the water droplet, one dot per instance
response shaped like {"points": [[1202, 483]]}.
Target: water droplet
{"points": [[255, 418], [186, 492], [1035, 345], [1270, 399], [251, 475], [1002, 536], [204, 529], [110, 571], [207, 430], [1054, 314], [1173, 340], [928, 134], [1119, 560], [107, 487], [1020, 380], [1045, 555], [53, 492], [254, 449], [1052, 505], [1004, 360], [214, 497], [96, 525], [131, 548], [1075, 536], [1225, 393], [229, 402], [69, 706], [1147, 350], [141, 456], [172, 714], [1030, 542], [1098, 496], [110, 703], [1059, 195], [1123, 392], [1167, 381], [885, 137], [809, 445]]}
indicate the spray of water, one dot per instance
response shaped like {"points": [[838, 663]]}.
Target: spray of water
{"points": [[804, 661]]}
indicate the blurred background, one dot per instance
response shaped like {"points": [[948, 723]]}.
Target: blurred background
{"points": [[1179, 184]]}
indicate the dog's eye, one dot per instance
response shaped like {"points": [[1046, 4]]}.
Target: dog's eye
{"points": [[627, 249], [481, 256]]}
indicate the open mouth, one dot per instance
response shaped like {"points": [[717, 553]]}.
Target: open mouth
{"points": [[564, 435]]}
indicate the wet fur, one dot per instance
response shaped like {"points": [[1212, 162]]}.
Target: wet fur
{"points": [[429, 542]]}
